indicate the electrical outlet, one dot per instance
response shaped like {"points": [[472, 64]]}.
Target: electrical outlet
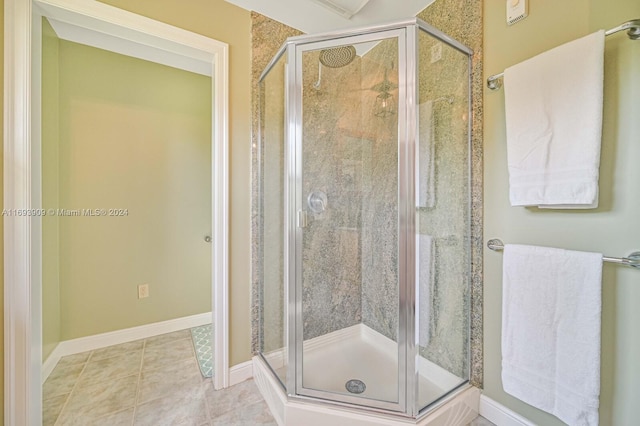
{"points": [[436, 52], [143, 291]]}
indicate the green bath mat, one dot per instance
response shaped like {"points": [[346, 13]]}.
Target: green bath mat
{"points": [[204, 351]]}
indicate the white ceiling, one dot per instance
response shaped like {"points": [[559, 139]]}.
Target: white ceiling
{"points": [[311, 17]]}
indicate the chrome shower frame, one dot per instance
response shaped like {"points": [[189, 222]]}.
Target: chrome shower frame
{"points": [[406, 31]]}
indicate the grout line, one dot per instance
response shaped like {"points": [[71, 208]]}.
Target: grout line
{"points": [[135, 402], [64, 406], [159, 345], [192, 360], [120, 353]]}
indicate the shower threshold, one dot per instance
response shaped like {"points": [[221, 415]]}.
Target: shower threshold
{"points": [[360, 353]]}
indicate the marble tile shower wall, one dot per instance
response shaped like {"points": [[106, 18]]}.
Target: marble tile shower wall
{"points": [[464, 24], [354, 160], [272, 208], [332, 153], [445, 83], [350, 250], [380, 201], [462, 20], [267, 36]]}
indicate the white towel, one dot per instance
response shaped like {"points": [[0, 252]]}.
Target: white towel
{"points": [[551, 310], [424, 278], [553, 106], [425, 176]]}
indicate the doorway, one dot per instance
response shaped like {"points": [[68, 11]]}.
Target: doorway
{"points": [[121, 32]]}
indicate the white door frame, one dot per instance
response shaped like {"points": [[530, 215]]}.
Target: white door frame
{"points": [[114, 29]]}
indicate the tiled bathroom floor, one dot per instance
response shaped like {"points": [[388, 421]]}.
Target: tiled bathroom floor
{"points": [[153, 382]]}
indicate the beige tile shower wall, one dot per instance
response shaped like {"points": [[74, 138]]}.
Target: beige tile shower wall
{"points": [[463, 20]]}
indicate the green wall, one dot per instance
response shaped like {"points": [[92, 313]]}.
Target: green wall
{"points": [[228, 23], [133, 135], [608, 229]]}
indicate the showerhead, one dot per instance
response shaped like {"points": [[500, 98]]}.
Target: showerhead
{"points": [[337, 57]]}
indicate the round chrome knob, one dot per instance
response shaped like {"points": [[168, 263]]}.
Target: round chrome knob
{"points": [[317, 202]]}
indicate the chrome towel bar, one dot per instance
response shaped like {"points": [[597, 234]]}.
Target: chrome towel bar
{"points": [[632, 260], [494, 82]]}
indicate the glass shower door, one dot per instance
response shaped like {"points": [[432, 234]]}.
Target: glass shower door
{"points": [[349, 342]]}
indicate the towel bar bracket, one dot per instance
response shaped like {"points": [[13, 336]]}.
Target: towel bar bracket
{"points": [[633, 27], [633, 260]]}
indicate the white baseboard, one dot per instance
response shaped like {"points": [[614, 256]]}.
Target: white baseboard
{"points": [[240, 372], [97, 341], [50, 363], [501, 415]]}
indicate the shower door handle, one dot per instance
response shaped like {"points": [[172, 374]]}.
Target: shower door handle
{"points": [[302, 219]]}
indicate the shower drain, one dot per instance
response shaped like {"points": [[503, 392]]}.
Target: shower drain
{"points": [[355, 386]]}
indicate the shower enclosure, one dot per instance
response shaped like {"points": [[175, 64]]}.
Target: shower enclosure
{"points": [[364, 212]]}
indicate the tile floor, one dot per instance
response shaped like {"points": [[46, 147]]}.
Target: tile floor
{"points": [[153, 382], [481, 421]]}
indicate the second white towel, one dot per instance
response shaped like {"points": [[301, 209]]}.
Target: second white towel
{"points": [[553, 105], [551, 314]]}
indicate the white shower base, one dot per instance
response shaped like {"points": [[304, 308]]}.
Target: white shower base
{"points": [[359, 352]]}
